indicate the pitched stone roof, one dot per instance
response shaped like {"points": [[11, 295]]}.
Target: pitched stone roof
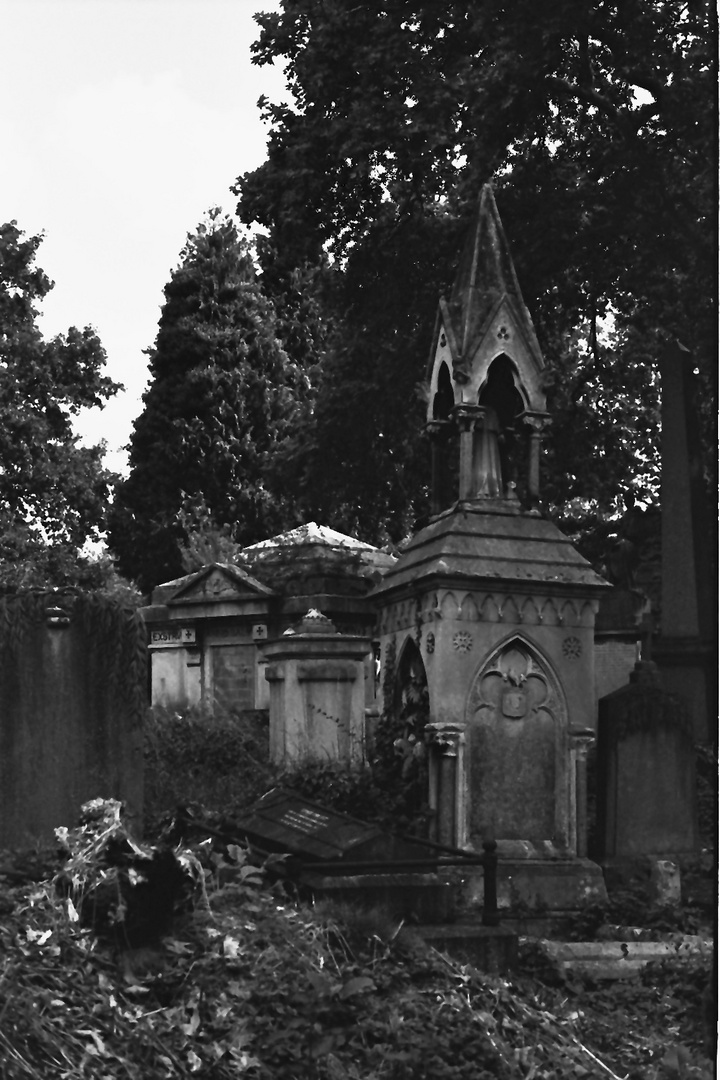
{"points": [[318, 557], [506, 547], [312, 533]]}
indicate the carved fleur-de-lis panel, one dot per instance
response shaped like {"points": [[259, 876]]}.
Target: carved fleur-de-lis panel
{"points": [[513, 686], [516, 747]]}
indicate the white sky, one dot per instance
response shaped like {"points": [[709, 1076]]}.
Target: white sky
{"points": [[122, 122]]}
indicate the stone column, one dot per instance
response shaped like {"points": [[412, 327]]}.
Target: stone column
{"points": [[582, 740], [466, 417], [447, 782]]}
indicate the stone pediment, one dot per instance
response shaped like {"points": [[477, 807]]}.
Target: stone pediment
{"points": [[219, 582]]}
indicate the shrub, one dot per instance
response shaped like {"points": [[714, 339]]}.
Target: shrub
{"points": [[376, 795], [220, 760]]}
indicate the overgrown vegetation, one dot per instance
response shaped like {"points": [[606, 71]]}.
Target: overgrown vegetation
{"points": [[54, 492], [244, 983], [218, 760], [221, 762]]}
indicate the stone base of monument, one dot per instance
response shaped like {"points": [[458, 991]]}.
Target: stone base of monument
{"points": [[492, 949], [420, 898], [660, 876], [535, 894]]}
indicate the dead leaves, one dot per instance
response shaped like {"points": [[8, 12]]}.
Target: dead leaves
{"points": [[246, 985]]}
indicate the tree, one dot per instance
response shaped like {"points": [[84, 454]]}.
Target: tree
{"points": [[596, 122], [54, 493], [223, 399]]}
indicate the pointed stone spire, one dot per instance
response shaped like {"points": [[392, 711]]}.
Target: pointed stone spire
{"points": [[486, 276]]}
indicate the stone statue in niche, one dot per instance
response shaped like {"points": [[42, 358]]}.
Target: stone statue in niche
{"points": [[496, 443], [514, 713], [488, 463]]}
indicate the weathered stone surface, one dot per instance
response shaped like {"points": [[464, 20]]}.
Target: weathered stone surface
{"points": [[504, 547], [612, 960], [424, 898], [493, 949], [537, 886], [646, 772], [72, 700], [317, 693]]}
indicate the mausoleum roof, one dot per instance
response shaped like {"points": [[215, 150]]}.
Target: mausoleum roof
{"points": [[315, 558], [508, 546], [312, 533]]}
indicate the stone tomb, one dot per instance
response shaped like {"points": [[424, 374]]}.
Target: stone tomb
{"points": [[208, 631], [493, 604]]}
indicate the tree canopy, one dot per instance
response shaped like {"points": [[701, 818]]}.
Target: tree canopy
{"points": [[596, 123], [54, 492], [223, 399]]}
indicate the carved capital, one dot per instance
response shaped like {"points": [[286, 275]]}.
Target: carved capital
{"points": [[581, 740], [536, 421], [437, 429], [447, 737], [466, 416]]}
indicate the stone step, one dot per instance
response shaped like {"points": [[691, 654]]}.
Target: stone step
{"points": [[619, 959]]}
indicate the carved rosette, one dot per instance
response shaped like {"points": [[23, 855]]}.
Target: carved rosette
{"points": [[462, 641], [572, 648]]}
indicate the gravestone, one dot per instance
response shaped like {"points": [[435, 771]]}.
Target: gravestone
{"points": [[646, 773], [72, 701]]}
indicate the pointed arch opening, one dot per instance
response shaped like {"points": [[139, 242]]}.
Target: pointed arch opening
{"points": [[410, 693], [504, 445], [444, 398], [444, 443], [406, 757]]}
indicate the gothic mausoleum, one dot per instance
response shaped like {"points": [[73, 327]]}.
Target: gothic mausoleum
{"points": [[491, 604], [489, 608]]}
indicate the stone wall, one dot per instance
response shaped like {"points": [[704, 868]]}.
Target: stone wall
{"points": [[72, 700]]}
